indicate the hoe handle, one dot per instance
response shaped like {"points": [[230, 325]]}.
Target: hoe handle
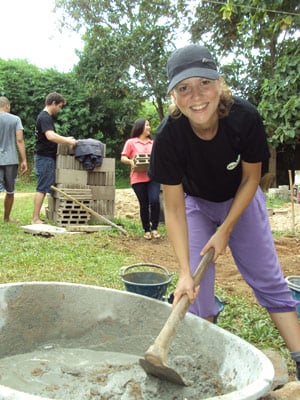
{"points": [[157, 353]]}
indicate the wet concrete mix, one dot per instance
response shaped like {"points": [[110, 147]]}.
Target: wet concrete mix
{"points": [[56, 372]]}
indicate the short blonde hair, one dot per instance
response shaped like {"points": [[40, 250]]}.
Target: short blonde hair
{"points": [[4, 102], [224, 106]]}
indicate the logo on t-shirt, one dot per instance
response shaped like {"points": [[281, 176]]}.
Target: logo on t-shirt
{"points": [[234, 164]]}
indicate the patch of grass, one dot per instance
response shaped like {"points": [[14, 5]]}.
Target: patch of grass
{"points": [[249, 321], [276, 202], [287, 232], [24, 186], [78, 258], [63, 258]]}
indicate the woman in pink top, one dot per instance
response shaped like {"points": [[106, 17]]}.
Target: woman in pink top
{"points": [[146, 190]]}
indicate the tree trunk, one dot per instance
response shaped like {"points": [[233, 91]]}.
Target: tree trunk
{"points": [[160, 108], [272, 163]]}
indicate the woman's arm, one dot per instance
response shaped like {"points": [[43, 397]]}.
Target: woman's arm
{"points": [[126, 160], [176, 224]]}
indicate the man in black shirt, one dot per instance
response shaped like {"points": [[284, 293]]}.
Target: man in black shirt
{"points": [[46, 149]]}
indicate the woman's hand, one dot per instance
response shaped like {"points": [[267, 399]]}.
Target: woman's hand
{"points": [[184, 286], [219, 241]]}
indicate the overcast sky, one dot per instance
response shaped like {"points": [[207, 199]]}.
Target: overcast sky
{"points": [[29, 30]]}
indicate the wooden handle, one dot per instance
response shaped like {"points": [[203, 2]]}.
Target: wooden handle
{"points": [[292, 201], [157, 353], [89, 209]]}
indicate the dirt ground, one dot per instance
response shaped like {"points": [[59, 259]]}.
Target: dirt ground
{"points": [[160, 251]]}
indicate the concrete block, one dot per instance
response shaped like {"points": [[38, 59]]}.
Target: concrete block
{"points": [[101, 178], [65, 149], [103, 192], [68, 162], [141, 162], [108, 165], [78, 193], [71, 176], [63, 186], [68, 217], [105, 208]]}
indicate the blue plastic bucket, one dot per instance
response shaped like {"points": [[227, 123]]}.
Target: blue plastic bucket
{"points": [[149, 280], [294, 286]]}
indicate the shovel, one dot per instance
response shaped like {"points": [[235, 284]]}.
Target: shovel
{"points": [[154, 362]]}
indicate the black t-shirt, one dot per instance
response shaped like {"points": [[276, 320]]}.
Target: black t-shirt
{"points": [[44, 147], [210, 169]]}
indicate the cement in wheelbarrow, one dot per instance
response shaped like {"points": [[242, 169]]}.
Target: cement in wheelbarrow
{"points": [[67, 341]]}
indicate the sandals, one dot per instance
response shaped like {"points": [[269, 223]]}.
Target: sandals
{"points": [[148, 236], [156, 235]]}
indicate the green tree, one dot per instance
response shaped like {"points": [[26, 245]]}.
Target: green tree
{"points": [[148, 110], [247, 36], [261, 39], [27, 86], [280, 101], [114, 100], [141, 35]]}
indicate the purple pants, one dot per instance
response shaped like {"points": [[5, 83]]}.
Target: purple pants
{"points": [[252, 247]]}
